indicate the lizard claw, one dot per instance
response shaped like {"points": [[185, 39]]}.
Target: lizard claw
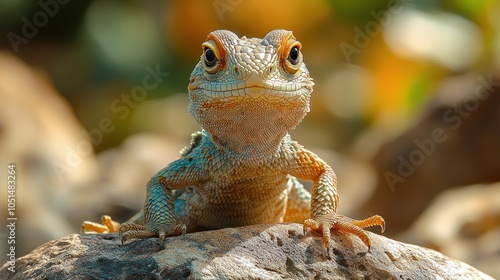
{"points": [[131, 231], [176, 230], [325, 223]]}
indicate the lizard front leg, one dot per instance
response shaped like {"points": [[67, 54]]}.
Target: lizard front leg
{"points": [[325, 199], [158, 213]]}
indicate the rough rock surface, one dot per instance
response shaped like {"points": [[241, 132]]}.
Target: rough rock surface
{"points": [[267, 251]]}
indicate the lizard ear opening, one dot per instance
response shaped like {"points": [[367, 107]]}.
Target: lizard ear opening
{"points": [[290, 55], [211, 57]]}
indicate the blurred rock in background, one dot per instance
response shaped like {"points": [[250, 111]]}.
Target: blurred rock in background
{"points": [[41, 136], [462, 222], [456, 141]]}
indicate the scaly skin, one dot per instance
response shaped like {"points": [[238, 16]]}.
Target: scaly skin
{"points": [[241, 169]]}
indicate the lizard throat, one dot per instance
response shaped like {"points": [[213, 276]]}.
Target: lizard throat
{"points": [[250, 128]]}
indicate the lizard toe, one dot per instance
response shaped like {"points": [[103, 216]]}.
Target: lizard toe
{"points": [[107, 225], [172, 231], [326, 222], [134, 231]]}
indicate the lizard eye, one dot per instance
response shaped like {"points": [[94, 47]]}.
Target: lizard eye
{"points": [[292, 57], [211, 57]]}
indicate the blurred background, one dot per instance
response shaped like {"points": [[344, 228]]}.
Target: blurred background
{"points": [[93, 102]]}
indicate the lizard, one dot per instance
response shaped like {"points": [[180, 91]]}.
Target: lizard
{"points": [[243, 168]]}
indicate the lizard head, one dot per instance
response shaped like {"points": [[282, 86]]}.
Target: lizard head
{"points": [[250, 90]]}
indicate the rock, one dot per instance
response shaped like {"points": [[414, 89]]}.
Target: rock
{"points": [[266, 251], [41, 135], [455, 143], [463, 223]]}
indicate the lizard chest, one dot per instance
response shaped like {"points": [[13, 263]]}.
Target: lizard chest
{"points": [[241, 199]]}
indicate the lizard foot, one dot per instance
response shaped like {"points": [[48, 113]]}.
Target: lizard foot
{"points": [[324, 223], [107, 225], [131, 230]]}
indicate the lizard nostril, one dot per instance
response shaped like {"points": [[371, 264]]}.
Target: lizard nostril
{"points": [[236, 71], [270, 70]]}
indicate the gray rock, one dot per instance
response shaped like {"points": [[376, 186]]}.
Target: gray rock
{"points": [[267, 251]]}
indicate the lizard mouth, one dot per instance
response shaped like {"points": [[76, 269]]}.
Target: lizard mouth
{"points": [[267, 90]]}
